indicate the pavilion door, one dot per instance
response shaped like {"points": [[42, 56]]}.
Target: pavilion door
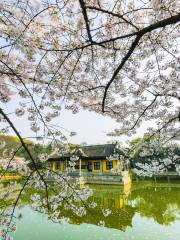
{"points": [[89, 166]]}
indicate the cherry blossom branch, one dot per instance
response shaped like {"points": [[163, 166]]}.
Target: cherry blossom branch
{"points": [[27, 150], [133, 46], [140, 116], [41, 117], [140, 34], [83, 7], [113, 14]]}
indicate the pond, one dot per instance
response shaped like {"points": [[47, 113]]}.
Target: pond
{"points": [[143, 211]]}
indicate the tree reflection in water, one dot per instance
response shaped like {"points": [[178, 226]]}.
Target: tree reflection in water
{"points": [[159, 201]]}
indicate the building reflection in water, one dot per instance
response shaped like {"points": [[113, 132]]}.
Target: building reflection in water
{"points": [[113, 198], [158, 201]]}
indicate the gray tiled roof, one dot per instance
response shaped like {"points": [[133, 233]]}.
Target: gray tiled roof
{"points": [[99, 150], [93, 151]]}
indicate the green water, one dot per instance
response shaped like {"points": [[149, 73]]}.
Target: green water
{"points": [[146, 211]]}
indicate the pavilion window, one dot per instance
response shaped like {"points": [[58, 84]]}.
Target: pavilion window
{"points": [[109, 165], [58, 165], [97, 165]]}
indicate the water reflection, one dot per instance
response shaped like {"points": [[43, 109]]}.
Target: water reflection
{"points": [[159, 202]]}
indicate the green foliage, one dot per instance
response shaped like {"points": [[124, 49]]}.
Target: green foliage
{"points": [[135, 141], [13, 143]]}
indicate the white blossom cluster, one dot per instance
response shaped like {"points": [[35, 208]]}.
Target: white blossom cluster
{"points": [[154, 158], [43, 157], [106, 212], [2, 144], [148, 170], [101, 223], [68, 196], [178, 168], [17, 165], [118, 168]]}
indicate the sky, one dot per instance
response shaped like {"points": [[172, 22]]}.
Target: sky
{"points": [[91, 128]]}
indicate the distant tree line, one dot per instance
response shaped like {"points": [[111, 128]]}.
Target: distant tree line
{"points": [[12, 143]]}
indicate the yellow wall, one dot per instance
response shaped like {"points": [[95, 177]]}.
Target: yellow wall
{"points": [[53, 166], [83, 162]]}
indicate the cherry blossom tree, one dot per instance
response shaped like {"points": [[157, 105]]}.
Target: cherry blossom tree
{"points": [[117, 58], [149, 156]]}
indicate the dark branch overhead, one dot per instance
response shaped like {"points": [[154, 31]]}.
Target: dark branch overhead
{"points": [[139, 34], [83, 7]]}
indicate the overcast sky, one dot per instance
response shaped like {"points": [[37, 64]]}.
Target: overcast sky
{"points": [[90, 127]]}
